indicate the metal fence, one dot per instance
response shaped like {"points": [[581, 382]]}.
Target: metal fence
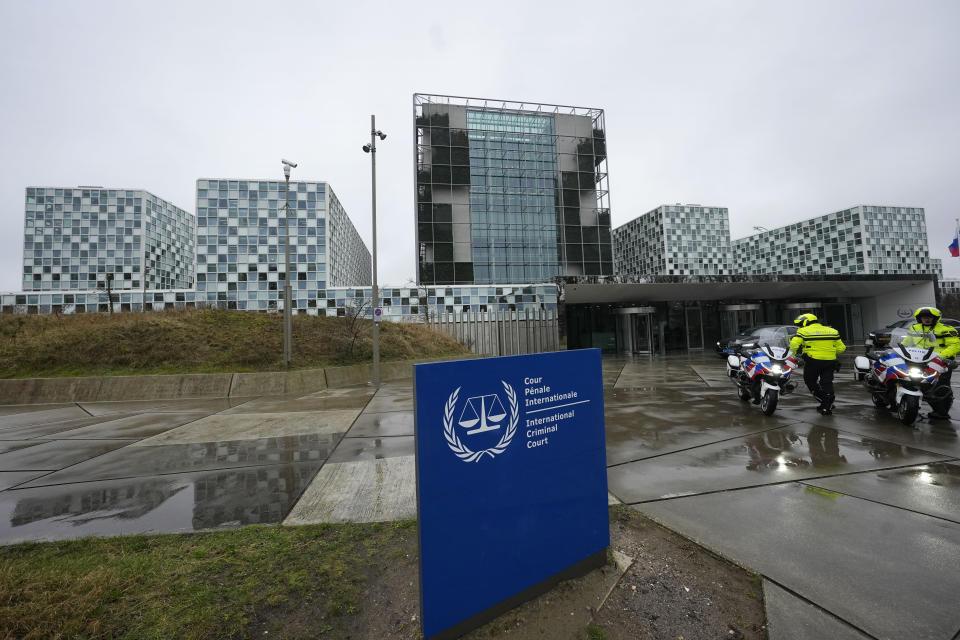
{"points": [[502, 333]]}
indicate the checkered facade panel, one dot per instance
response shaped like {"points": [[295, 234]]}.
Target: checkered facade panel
{"points": [[81, 238], [407, 304], [675, 240], [168, 245], [874, 240], [950, 287], [241, 235], [350, 262], [695, 240]]}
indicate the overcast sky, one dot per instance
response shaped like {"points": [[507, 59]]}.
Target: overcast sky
{"points": [[779, 111]]}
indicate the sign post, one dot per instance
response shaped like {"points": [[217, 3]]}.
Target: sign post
{"points": [[511, 482], [378, 314]]}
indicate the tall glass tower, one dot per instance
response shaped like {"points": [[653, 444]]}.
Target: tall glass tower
{"points": [[509, 192]]}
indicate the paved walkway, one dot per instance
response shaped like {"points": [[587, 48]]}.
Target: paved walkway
{"points": [[852, 519]]}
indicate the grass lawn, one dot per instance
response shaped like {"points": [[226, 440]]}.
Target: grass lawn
{"points": [[293, 581], [199, 341], [353, 581]]}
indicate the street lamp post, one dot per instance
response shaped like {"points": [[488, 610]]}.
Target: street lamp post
{"points": [[287, 295], [372, 150], [109, 279]]}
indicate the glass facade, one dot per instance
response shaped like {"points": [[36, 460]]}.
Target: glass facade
{"points": [[695, 240], [513, 174], [74, 238], [509, 191], [241, 232]]}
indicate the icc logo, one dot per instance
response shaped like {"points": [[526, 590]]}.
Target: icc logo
{"points": [[481, 414]]}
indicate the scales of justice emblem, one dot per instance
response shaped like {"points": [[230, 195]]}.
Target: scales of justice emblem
{"points": [[480, 414]]}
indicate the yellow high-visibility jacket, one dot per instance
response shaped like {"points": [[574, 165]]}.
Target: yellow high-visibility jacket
{"points": [[948, 341], [818, 342]]}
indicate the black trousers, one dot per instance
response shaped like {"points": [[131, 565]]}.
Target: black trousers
{"points": [[818, 376]]}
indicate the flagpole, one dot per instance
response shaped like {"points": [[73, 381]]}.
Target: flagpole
{"points": [[955, 245]]}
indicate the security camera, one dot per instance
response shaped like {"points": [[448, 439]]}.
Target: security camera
{"points": [[366, 148], [289, 164], [382, 135]]}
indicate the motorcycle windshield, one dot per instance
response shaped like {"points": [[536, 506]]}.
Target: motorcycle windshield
{"points": [[774, 341], [913, 346]]}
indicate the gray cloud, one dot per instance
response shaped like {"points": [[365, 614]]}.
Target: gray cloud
{"points": [[778, 111]]}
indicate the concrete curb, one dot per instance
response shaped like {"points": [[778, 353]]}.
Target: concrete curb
{"points": [[213, 385]]}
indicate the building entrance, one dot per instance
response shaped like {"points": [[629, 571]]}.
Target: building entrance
{"points": [[636, 331], [694, 328], [789, 312], [734, 318]]}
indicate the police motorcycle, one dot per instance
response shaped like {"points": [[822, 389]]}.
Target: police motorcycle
{"points": [[761, 368], [906, 373]]}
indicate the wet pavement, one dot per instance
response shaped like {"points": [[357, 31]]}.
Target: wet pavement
{"points": [[163, 466], [852, 519]]}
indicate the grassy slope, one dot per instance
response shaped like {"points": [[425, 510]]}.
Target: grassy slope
{"points": [[198, 341], [203, 585]]}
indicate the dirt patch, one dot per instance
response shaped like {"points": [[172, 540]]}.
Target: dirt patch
{"points": [[673, 589], [388, 605], [676, 589]]}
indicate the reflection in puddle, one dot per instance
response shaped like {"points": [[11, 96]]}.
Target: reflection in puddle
{"points": [[774, 450], [785, 448], [195, 457], [124, 501], [252, 496], [937, 474], [182, 502]]}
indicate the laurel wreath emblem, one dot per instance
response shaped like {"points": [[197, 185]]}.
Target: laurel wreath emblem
{"points": [[463, 452]]}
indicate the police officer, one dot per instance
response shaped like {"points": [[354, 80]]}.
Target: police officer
{"points": [[820, 346], [948, 346]]}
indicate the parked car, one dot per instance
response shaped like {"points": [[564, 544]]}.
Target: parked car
{"points": [[880, 338], [729, 345]]}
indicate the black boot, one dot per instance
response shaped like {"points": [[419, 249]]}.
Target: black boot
{"points": [[940, 408], [818, 394]]}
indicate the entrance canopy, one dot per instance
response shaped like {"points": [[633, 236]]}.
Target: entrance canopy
{"points": [[665, 289], [676, 312]]}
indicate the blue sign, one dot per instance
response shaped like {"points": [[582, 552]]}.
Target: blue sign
{"points": [[511, 478]]}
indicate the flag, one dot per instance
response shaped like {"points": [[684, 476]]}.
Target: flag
{"points": [[955, 245]]}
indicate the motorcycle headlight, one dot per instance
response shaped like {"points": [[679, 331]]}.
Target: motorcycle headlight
{"points": [[776, 369], [916, 373]]}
